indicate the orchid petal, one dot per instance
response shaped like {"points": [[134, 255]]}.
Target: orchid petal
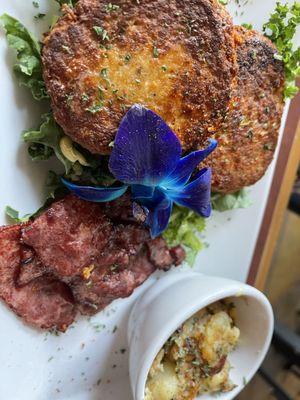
{"points": [[145, 149], [96, 194], [185, 167], [195, 195], [151, 202], [158, 217], [142, 192]]}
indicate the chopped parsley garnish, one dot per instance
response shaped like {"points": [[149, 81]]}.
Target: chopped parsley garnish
{"points": [[35, 4], [95, 108], [105, 47], [101, 32], [281, 29], [100, 93], [70, 3], [250, 134], [66, 49], [164, 68], [111, 7], [69, 99], [127, 58], [189, 27], [224, 2], [268, 147], [104, 72], [39, 16], [241, 2], [98, 328], [114, 267], [247, 26], [85, 97], [155, 52]]}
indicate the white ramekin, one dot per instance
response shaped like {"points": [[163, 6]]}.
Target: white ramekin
{"points": [[176, 297]]}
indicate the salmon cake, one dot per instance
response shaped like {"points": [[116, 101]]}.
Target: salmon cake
{"points": [[177, 57], [248, 138]]}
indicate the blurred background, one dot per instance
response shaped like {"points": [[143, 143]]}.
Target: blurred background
{"points": [[279, 377]]}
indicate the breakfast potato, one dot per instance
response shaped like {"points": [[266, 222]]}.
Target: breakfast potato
{"points": [[165, 384], [194, 359]]}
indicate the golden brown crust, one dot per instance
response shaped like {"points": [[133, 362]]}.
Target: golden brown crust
{"points": [[247, 141], [193, 83], [175, 56]]}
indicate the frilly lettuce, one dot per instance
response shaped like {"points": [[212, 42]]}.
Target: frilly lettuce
{"points": [[44, 142], [185, 225], [184, 228], [54, 191], [15, 215], [281, 30], [240, 199], [28, 68]]}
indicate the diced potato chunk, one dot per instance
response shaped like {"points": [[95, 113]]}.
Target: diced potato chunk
{"points": [[165, 384], [194, 360]]}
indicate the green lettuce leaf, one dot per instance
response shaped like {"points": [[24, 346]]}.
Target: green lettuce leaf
{"points": [[47, 137], [40, 152], [45, 142], [28, 68], [55, 190], [184, 228], [281, 30], [240, 199], [14, 215]]}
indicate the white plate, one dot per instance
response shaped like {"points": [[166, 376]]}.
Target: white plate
{"points": [[39, 366]]}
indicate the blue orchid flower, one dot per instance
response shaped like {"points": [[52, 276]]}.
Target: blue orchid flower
{"points": [[146, 158]]}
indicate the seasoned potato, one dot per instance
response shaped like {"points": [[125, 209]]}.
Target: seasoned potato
{"points": [[194, 360], [164, 385], [219, 337], [219, 382]]}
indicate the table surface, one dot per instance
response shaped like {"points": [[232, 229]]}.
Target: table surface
{"points": [[286, 167]]}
